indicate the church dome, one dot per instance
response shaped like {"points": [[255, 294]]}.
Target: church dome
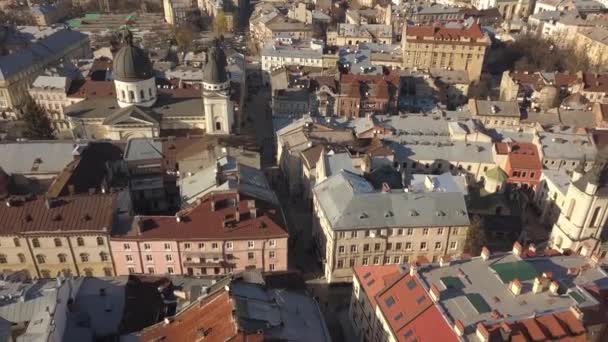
{"points": [[131, 63], [214, 71]]}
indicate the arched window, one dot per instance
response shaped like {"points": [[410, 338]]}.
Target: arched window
{"points": [[122, 95], [150, 92], [571, 208], [57, 242], [103, 256], [3, 259], [35, 243], [107, 271], [17, 242], [84, 257], [595, 218], [141, 95], [131, 95], [45, 273], [62, 258], [80, 241], [41, 259], [218, 126], [100, 241], [21, 257], [88, 272]]}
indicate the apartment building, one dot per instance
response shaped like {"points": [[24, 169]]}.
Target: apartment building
{"points": [[356, 225], [355, 34], [509, 9], [593, 42], [222, 233], [493, 114], [521, 163], [41, 47], [447, 46], [47, 236], [481, 299], [305, 53]]}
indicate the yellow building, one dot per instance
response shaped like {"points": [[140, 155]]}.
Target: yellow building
{"points": [[48, 236], [593, 42], [462, 48]]}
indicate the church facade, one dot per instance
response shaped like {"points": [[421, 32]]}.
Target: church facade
{"points": [[141, 108]]}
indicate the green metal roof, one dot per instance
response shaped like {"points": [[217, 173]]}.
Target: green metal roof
{"points": [[91, 16], [511, 270], [477, 301], [74, 23], [497, 174]]}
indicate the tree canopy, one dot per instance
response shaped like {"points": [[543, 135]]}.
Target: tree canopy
{"points": [[37, 124], [476, 237], [184, 36], [220, 23]]}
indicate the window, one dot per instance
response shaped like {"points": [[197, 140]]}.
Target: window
{"points": [[62, 258], [88, 272], [351, 262], [218, 126], [439, 231], [149, 257], [201, 245], [272, 243], [84, 257], [410, 231], [423, 245], [396, 260], [341, 235], [57, 242], [107, 271], [151, 270], [532, 174], [408, 246], [387, 260], [454, 231], [214, 245], [340, 264], [129, 258], [341, 249], [122, 94], [229, 245], [376, 260], [17, 242], [377, 247], [21, 257], [170, 270], [141, 95], [353, 234], [398, 246], [365, 261], [187, 245], [3, 259], [389, 246], [36, 243], [399, 231], [594, 218], [271, 254], [131, 95], [131, 269], [353, 248], [437, 245], [150, 92], [367, 233], [167, 246], [147, 246], [453, 245], [126, 246], [41, 259], [250, 256], [169, 257], [80, 241], [425, 231]]}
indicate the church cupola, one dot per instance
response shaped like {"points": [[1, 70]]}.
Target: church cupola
{"points": [[217, 102], [133, 75]]}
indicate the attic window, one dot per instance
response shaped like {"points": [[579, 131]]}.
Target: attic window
{"points": [[413, 213], [398, 316], [57, 217], [28, 218], [390, 301], [440, 213], [366, 275], [388, 214], [86, 217], [363, 215]]}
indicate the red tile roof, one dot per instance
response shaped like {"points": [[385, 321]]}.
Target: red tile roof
{"points": [[524, 156], [71, 213], [201, 223], [375, 278], [595, 82], [209, 319], [438, 32], [563, 326], [89, 89]]}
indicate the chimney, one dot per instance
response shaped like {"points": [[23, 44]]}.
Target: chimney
{"points": [[178, 218], [517, 248], [413, 270], [237, 215], [49, 203], [577, 312], [485, 253], [444, 261], [595, 259], [253, 213], [539, 284], [482, 333], [532, 248], [515, 286], [505, 331], [573, 271], [212, 204], [386, 188], [554, 287], [459, 328], [435, 293]]}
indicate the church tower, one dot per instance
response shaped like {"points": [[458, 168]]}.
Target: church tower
{"points": [[218, 107], [133, 75]]}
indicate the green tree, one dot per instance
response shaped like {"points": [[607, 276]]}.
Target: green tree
{"points": [[184, 37], [220, 23], [476, 237], [37, 124]]}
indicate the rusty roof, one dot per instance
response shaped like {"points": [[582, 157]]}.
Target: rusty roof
{"points": [[524, 156], [441, 32], [70, 213], [213, 210]]}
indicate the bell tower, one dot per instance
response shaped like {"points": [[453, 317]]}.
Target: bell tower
{"points": [[218, 107]]}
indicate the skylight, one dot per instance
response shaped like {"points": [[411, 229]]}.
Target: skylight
{"points": [[390, 301], [411, 284]]}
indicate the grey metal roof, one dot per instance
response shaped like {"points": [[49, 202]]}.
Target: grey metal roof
{"points": [[143, 149], [350, 202], [336, 162], [51, 82], [35, 157], [457, 151], [44, 49], [215, 68], [567, 146], [559, 178], [497, 108], [131, 63]]}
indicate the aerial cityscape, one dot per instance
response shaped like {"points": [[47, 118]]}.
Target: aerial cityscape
{"points": [[303, 170]]}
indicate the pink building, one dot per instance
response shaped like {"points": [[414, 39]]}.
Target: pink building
{"points": [[221, 234]]}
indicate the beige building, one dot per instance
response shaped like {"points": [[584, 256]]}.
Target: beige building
{"points": [[69, 234], [357, 225], [594, 43], [495, 113], [445, 47], [354, 34], [20, 68]]}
